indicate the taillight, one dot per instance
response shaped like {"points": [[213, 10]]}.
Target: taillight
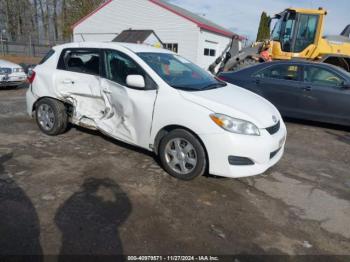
{"points": [[31, 76]]}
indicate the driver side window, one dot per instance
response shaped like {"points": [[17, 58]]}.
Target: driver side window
{"points": [[119, 66]]}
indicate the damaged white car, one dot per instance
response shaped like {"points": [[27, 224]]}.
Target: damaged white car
{"points": [[157, 100]]}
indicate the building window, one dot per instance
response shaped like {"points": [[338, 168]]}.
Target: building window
{"points": [[209, 52], [172, 47]]}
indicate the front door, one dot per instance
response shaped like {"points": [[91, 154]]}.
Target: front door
{"points": [[324, 97], [129, 111]]}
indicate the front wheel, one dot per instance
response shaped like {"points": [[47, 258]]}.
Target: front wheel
{"points": [[182, 155]]}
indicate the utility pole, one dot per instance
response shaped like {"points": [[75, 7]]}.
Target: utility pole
{"points": [[30, 45]]}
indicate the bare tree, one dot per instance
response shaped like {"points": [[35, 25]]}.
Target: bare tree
{"points": [[43, 20]]}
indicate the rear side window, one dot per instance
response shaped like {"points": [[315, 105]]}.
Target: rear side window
{"points": [[47, 56], [80, 60], [282, 72]]}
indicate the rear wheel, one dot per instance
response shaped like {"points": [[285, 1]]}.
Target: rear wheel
{"points": [[51, 116], [182, 155]]}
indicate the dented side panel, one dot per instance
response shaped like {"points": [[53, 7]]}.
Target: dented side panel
{"points": [[132, 113], [83, 92]]}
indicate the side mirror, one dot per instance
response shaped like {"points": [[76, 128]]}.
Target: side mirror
{"points": [[136, 81]]}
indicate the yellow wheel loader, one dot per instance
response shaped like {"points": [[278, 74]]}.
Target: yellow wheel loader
{"points": [[297, 34]]}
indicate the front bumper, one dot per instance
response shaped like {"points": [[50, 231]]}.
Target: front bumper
{"points": [[264, 151]]}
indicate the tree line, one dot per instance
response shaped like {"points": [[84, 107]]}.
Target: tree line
{"points": [[42, 21]]}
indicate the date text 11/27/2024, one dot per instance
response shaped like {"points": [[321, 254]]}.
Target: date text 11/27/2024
{"points": [[173, 258]]}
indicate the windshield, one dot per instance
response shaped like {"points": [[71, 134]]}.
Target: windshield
{"points": [[275, 35], [283, 31], [306, 31], [180, 73]]}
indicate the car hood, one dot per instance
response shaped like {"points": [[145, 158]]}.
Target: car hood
{"points": [[236, 102]]}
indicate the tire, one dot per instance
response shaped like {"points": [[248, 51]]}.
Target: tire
{"points": [[51, 116], [182, 155]]}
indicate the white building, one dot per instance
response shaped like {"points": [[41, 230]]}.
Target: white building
{"points": [[191, 35]]}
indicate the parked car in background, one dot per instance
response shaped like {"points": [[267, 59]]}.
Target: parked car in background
{"points": [[11, 74], [299, 89], [157, 100]]}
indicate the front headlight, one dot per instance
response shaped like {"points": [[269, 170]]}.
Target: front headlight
{"points": [[235, 125]]}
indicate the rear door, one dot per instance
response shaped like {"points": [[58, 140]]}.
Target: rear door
{"points": [[324, 97], [78, 81], [281, 85]]}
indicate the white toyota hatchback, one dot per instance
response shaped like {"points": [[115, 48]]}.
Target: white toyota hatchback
{"points": [[157, 100]]}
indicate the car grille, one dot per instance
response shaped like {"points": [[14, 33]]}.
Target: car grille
{"points": [[274, 129], [5, 70]]}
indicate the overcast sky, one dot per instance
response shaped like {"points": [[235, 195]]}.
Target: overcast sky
{"points": [[243, 16]]}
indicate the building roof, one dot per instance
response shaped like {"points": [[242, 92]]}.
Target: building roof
{"points": [[200, 21], [135, 36]]}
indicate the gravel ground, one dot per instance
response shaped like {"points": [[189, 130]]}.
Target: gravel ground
{"points": [[84, 193]]}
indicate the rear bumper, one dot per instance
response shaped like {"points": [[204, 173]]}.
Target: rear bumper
{"points": [[233, 155], [30, 100]]}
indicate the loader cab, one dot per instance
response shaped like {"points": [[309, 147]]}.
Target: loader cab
{"points": [[295, 31]]}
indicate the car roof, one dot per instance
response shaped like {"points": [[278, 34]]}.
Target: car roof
{"points": [[261, 66], [301, 62], [314, 63], [136, 48], [289, 62]]}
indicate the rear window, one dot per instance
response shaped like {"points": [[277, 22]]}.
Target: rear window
{"points": [[47, 56]]}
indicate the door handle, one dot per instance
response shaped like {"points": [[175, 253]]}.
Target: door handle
{"points": [[306, 88], [257, 81], [68, 82]]}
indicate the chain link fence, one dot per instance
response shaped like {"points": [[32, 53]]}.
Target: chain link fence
{"points": [[25, 48]]}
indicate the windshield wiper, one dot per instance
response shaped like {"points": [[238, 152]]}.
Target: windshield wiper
{"points": [[184, 88], [208, 87], [214, 86]]}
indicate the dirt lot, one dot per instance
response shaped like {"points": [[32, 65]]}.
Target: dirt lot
{"points": [[83, 193]]}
